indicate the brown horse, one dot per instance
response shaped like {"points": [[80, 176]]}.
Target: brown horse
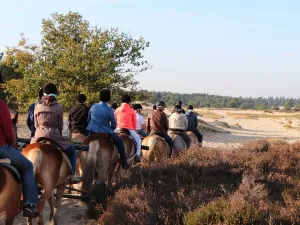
{"points": [[102, 162], [10, 188], [158, 148], [51, 169]]}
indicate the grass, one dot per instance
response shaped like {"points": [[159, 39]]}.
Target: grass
{"points": [[208, 114], [257, 184]]}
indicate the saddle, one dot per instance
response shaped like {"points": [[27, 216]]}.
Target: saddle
{"points": [[45, 140], [6, 163]]}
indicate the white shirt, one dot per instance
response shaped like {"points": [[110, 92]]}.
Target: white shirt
{"points": [[139, 121]]}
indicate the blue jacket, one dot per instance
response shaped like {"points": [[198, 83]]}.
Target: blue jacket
{"points": [[192, 119], [101, 119]]}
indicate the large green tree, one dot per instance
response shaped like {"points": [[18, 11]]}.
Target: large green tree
{"points": [[78, 58]]}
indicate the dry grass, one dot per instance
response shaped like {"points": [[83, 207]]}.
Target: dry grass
{"points": [[240, 115], [257, 184], [208, 114]]}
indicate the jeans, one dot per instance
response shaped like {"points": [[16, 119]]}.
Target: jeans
{"points": [[25, 168], [165, 136], [71, 153], [137, 140], [197, 133], [119, 144], [142, 133]]}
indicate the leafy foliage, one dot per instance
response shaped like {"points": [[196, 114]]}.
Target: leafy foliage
{"points": [[76, 57]]}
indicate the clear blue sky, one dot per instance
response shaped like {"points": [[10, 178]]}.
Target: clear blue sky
{"points": [[226, 47]]}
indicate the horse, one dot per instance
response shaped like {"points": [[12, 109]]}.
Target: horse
{"points": [[51, 170], [102, 166], [158, 148], [193, 137], [179, 144], [10, 187]]}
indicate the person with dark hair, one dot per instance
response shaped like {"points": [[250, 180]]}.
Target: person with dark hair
{"points": [[114, 106], [48, 116], [78, 116], [140, 122], [154, 107], [178, 103], [101, 119], [126, 118], [178, 123], [157, 123], [20, 162], [193, 124], [30, 114]]}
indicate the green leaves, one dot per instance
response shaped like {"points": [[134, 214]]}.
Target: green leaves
{"points": [[78, 58]]}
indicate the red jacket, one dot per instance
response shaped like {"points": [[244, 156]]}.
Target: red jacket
{"points": [[6, 129], [125, 117]]}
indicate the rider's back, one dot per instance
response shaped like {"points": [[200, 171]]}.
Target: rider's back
{"points": [[6, 130], [158, 121]]}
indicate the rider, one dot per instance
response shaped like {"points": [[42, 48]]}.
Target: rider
{"points": [[101, 119], [30, 114], [126, 118], [78, 116], [22, 164], [179, 123], [193, 124], [157, 123], [140, 127], [180, 104], [114, 106], [48, 117]]}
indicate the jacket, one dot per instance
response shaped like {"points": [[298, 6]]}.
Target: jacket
{"points": [[192, 119], [178, 121], [157, 121], [101, 119], [6, 129], [48, 121], [78, 118], [126, 117]]}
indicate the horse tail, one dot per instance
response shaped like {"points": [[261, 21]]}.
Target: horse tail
{"points": [[90, 165], [36, 157]]}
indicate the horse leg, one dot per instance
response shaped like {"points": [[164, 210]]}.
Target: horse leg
{"points": [[29, 221], [45, 196], [51, 206], [9, 220], [59, 193]]}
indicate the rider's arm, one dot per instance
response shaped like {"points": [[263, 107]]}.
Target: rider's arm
{"points": [[196, 121], [113, 123], [148, 127], [28, 118], [6, 124], [60, 120], [186, 122]]}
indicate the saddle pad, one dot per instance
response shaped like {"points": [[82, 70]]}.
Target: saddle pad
{"points": [[13, 170]]}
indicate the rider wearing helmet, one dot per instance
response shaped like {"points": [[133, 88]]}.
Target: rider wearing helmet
{"points": [[126, 118], [157, 123], [101, 119], [48, 116], [78, 116], [22, 164], [178, 123], [140, 122]]}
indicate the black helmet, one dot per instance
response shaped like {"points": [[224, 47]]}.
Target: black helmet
{"points": [[177, 108], [105, 95], [125, 99], [160, 104], [114, 105], [190, 107], [50, 89], [137, 106]]}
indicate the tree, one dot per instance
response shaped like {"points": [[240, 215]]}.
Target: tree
{"points": [[78, 58], [288, 105], [297, 107]]}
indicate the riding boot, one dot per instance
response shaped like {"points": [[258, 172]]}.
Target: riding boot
{"points": [[30, 210]]}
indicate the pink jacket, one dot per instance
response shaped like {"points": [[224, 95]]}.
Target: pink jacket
{"points": [[125, 117]]}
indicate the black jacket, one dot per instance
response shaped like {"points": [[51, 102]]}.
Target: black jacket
{"points": [[78, 117]]}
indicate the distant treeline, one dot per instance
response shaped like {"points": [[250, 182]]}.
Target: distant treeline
{"points": [[217, 101]]}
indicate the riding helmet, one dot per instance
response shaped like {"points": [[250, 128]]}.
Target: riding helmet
{"points": [[50, 88]]}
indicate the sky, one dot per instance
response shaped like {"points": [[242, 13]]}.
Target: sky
{"points": [[225, 47]]}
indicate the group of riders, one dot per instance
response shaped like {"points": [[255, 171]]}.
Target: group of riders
{"points": [[45, 120]]}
